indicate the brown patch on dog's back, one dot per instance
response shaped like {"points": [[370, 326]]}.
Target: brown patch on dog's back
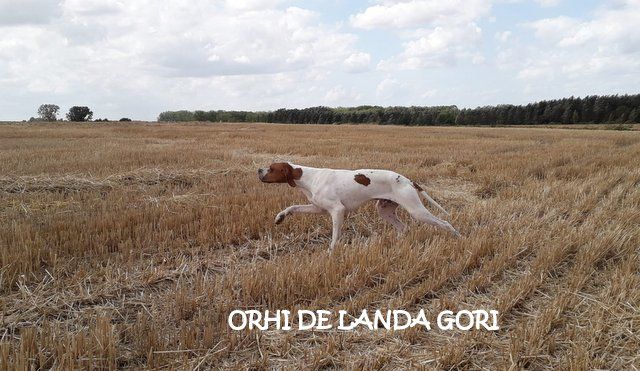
{"points": [[417, 187], [362, 179]]}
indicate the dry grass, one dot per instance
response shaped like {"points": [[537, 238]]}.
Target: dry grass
{"points": [[126, 246]]}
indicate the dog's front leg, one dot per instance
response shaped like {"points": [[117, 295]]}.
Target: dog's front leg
{"points": [[337, 217], [306, 209]]}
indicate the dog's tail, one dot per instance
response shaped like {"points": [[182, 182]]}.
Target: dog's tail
{"points": [[431, 200]]}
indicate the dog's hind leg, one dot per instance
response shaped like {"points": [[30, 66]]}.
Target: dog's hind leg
{"points": [[420, 213], [387, 211], [411, 202]]}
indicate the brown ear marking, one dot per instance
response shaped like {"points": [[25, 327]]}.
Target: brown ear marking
{"points": [[297, 173], [292, 174], [417, 187], [362, 179]]}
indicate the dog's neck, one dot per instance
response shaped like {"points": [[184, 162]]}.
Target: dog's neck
{"points": [[305, 181]]}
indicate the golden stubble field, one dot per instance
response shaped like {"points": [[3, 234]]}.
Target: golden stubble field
{"points": [[127, 245]]}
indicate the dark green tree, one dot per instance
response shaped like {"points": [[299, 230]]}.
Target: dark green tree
{"points": [[590, 109], [79, 113], [48, 112], [575, 118]]}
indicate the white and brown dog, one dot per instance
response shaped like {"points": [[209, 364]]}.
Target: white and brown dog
{"points": [[339, 191]]}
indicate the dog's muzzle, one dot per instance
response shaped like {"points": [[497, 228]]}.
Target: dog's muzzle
{"points": [[261, 174]]}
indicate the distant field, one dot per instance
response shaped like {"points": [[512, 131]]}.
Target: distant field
{"points": [[618, 127], [127, 245]]}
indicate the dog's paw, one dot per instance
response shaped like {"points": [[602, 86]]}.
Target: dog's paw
{"points": [[279, 218]]}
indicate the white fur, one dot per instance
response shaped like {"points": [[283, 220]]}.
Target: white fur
{"points": [[336, 192]]}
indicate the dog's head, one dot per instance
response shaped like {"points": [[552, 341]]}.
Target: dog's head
{"points": [[280, 172]]}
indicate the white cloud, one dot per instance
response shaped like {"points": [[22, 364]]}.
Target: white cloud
{"points": [[548, 3], [14, 12], [137, 58], [503, 36], [575, 48], [437, 33], [246, 5], [357, 62], [254, 42], [416, 13], [336, 94], [553, 29], [112, 53], [387, 88], [438, 47], [538, 70], [429, 93], [339, 96], [92, 7], [613, 27]]}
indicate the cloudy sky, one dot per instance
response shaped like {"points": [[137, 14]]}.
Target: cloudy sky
{"points": [[136, 58]]}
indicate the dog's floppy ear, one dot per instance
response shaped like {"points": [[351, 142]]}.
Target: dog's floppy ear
{"points": [[292, 174], [297, 173], [288, 172]]}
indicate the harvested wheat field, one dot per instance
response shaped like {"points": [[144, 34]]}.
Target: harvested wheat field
{"points": [[128, 245]]}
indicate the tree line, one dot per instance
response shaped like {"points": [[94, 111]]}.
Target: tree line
{"points": [[588, 110], [49, 112]]}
